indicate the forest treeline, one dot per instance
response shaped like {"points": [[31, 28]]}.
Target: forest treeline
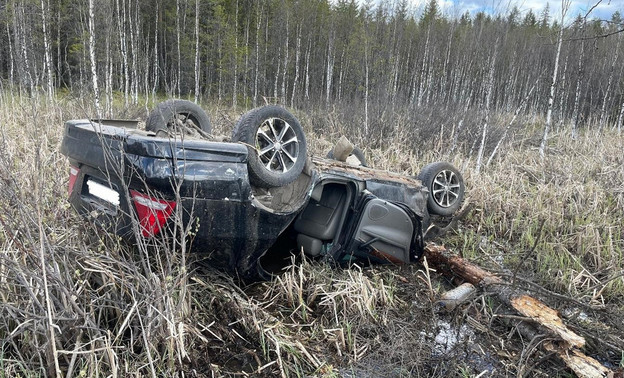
{"points": [[370, 56]]}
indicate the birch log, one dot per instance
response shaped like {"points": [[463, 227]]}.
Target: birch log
{"points": [[568, 348]]}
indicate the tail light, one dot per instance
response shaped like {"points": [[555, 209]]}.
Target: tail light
{"points": [[152, 212], [73, 175]]}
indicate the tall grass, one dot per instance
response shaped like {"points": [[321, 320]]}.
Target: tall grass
{"points": [[560, 219], [75, 301]]}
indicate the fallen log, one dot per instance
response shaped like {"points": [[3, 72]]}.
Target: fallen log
{"points": [[569, 344]]}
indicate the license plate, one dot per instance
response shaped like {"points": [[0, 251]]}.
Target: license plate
{"points": [[103, 192]]}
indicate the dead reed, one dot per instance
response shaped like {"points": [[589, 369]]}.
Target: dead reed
{"points": [[77, 302]]}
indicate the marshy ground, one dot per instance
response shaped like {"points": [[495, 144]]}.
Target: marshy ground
{"points": [[75, 300]]}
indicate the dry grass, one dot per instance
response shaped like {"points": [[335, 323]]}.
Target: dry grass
{"points": [[75, 301], [561, 218]]}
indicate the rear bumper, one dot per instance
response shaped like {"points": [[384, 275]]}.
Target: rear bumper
{"points": [[213, 200]]}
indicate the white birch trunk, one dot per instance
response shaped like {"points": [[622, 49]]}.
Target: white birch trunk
{"points": [[277, 72], [395, 78], [564, 92], [134, 38], [94, 75], [488, 99], [257, 63], [423, 70], [341, 75], [330, 69], [220, 70], [297, 58], [447, 61], [307, 69], [146, 77], [155, 68], [266, 52], [11, 57], [513, 119], [46, 52], [565, 4], [235, 79], [366, 88], [121, 26], [246, 71], [603, 110], [58, 45], [179, 72], [197, 50], [108, 82], [25, 72], [577, 94], [285, 72], [428, 87]]}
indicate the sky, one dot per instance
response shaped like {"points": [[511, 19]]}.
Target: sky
{"points": [[604, 10]]}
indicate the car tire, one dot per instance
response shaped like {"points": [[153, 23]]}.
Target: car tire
{"points": [[446, 188], [276, 144], [162, 119], [356, 152]]}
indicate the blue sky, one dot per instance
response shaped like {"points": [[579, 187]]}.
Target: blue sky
{"points": [[456, 7]]}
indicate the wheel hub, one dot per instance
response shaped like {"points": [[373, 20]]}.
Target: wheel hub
{"points": [[445, 188], [277, 145]]}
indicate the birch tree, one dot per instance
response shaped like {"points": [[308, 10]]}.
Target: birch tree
{"points": [[330, 68], [46, 49], [488, 100], [121, 30], [178, 50], [94, 74], [197, 72], [11, 57], [565, 5], [376, 57], [257, 61], [297, 57], [235, 59]]}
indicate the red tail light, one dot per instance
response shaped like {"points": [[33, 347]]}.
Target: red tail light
{"points": [[152, 212], [73, 175]]}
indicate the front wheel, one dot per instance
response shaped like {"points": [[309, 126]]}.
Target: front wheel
{"points": [[446, 188], [276, 143]]}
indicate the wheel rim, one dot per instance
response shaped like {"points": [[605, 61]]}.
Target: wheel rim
{"points": [[277, 145], [446, 188]]}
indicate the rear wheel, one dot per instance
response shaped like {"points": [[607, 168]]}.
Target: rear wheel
{"points": [[178, 117], [446, 188], [276, 143]]}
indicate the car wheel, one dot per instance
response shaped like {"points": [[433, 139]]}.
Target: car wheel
{"points": [[171, 117], [276, 143], [446, 188], [357, 153]]}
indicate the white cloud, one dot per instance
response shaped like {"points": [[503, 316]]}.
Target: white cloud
{"points": [[454, 8]]}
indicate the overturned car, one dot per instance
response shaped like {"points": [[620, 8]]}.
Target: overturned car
{"points": [[251, 202]]}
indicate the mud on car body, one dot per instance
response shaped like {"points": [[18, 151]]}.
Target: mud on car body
{"points": [[252, 201]]}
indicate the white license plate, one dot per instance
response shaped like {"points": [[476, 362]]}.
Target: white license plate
{"points": [[103, 192]]}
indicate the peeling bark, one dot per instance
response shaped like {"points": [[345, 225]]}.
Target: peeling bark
{"points": [[539, 313], [546, 317]]}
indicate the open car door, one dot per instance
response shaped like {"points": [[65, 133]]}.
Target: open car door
{"points": [[387, 232]]}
